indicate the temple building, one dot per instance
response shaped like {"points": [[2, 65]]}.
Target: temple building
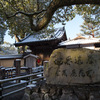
{"points": [[43, 46]]}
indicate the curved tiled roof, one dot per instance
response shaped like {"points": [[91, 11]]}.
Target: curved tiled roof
{"points": [[40, 38]]}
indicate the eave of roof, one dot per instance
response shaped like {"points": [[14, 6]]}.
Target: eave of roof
{"points": [[20, 56], [79, 37], [31, 40], [79, 42], [31, 55], [36, 42]]}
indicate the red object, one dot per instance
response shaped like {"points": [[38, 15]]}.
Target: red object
{"points": [[38, 60]]}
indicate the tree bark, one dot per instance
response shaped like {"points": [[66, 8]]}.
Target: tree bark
{"points": [[17, 38], [54, 5]]}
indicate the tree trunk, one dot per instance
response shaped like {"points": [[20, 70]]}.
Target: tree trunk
{"points": [[54, 5], [21, 49], [16, 38]]}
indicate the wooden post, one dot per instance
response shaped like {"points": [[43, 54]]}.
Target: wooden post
{"points": [[18, 65], [0, 91], [7, 74], [0, 74], [30, 70], [45, 64], [3, 73]]}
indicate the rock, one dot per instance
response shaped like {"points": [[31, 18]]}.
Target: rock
{"points": [[26, 97], [44, 89], [73, 66], [94, 95], [29, 89], [81, 94], [67, 96], [46, 97], [53, 91], [35, 96]]}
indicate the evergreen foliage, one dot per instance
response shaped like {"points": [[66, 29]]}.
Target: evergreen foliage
{"points": [[26, 16]]}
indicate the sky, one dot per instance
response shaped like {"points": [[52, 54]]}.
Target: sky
{"points": [[72, 29]]}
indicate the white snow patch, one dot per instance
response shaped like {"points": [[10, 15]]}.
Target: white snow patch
{"points": [[80, 41]]}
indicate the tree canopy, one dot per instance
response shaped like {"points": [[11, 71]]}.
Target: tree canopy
{"points": [[91, 28], [2, 29], [91, 16], [35, 15]]}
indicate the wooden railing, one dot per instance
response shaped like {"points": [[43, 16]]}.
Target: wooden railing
{"points": [[28, 80], [13, 72], [11, 78]]}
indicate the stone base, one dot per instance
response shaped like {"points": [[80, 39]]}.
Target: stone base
{"points": [[54, 92]]}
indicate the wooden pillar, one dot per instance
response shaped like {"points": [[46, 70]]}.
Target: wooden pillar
{"points": [[0, 73], [18, 67], [45, 64], [30, 71], [3, 73], [0, 91]]}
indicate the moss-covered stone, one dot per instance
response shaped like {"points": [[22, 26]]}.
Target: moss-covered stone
{"points": [[72, 66]]}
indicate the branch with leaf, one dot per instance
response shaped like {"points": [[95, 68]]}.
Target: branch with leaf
{"points": [[46, 14]]}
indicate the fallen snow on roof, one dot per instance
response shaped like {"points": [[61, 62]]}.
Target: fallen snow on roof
{"points": [[34, 56], [80, 41], [11, 56], [39, 37], [59, 34]]}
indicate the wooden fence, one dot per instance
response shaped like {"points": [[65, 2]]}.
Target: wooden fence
{"points": [[12, 78], [28, 79], [11, 72]]}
